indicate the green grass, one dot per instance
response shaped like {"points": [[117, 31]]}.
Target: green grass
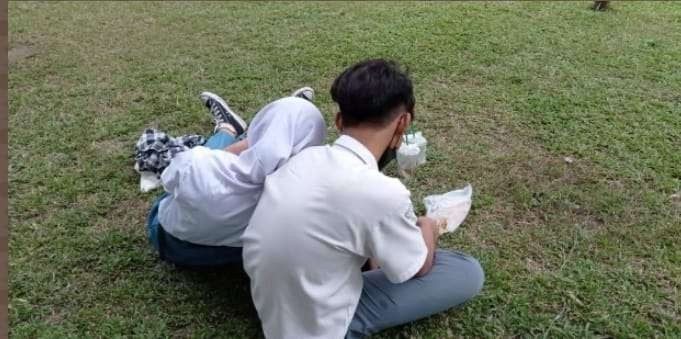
{"points": [[505, 91]]}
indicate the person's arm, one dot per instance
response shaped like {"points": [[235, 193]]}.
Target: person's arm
{"points": [[370, 265], [400, 242], [430, 232], [237, 147]]}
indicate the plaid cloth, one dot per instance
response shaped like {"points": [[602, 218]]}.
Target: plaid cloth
{"points": [[155, 149]]}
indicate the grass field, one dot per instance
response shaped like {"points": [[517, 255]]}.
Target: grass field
{"points": [[589, 247]]}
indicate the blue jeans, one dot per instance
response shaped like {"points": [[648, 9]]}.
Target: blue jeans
{"points": [[182, 252], [454, 279]]}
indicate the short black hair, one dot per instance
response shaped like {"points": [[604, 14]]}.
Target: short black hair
{"points": [[370, 92]]}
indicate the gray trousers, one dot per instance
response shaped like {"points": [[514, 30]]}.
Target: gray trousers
{"points": [[454, 279]]}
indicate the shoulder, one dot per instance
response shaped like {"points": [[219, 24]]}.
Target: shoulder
{"points": [[312, 156], [381, 192], [389, 185]]}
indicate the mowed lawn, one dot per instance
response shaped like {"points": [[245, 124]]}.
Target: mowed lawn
{"points": [[567, 122]]}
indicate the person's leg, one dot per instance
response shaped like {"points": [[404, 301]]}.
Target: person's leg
{"points": [[222, 113], [230, 129], [220, 140], [152, 222], [454, 279], [184, 253]]}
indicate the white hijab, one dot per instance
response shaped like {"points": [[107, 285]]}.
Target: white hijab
{"points": [[279, 131]]}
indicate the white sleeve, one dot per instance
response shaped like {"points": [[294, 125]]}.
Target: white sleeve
{"points": [[193, 174], [398, 246], [170, 177]]}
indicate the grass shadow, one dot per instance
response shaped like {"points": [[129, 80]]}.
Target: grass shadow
{"points": [[224, 289]]}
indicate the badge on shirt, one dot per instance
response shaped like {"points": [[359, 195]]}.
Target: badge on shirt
{"points": [[409, 214]]}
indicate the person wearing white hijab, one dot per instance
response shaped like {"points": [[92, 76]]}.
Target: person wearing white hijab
{"points": [[212, 190]]}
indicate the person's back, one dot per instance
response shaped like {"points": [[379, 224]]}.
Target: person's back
{"points": [[329, 210], [321, 220]]}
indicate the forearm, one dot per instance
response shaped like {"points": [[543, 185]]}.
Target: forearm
{"points": [[430, 233], [237, 147]]}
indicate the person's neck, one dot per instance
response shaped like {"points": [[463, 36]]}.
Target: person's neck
{"points": [[372, 138]]}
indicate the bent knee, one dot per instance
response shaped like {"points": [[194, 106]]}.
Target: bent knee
{"points": [[476, 275], [465, 272]]}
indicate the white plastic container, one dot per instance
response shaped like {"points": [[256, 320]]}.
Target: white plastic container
{"points": [[407, 159], [419, 140]]}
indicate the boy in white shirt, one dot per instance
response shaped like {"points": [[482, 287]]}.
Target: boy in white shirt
{"points": [[329, 209]]}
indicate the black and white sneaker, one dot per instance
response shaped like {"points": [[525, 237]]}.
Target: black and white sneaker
{"points": [[306, 93], [222, 113]]}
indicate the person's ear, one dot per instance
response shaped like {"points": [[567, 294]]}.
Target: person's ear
{"points": [[407, 118], [339, 122], [403, 124], [396, 141]]}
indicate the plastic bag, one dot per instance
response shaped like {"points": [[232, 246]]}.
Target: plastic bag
{"points": [[148, 180], [419, 140], [407, 159], [449, 209], [411, 154]]}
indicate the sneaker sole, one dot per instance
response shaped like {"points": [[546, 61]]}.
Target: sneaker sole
{"points": [[300, 91]]}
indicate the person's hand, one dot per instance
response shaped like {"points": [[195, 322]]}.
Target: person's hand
{"points": [[430, 233], [429, 224]]}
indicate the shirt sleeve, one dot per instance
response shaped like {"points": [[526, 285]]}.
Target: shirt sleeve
{"points": [[398, 246], [170, 177], [195, 174]]}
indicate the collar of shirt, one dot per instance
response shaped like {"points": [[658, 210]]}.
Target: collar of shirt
{"points": [[356, 147]]}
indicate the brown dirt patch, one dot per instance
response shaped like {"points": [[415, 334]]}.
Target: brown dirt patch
{"points": [[111, 147], [128, 215], [19, 53], [55, 318]]}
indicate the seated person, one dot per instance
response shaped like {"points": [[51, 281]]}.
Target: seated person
{"points": [[329, 209], [211, 191]]}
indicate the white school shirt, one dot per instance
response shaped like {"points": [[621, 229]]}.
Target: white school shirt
{"points": [[318, 220], [207, 204]]}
